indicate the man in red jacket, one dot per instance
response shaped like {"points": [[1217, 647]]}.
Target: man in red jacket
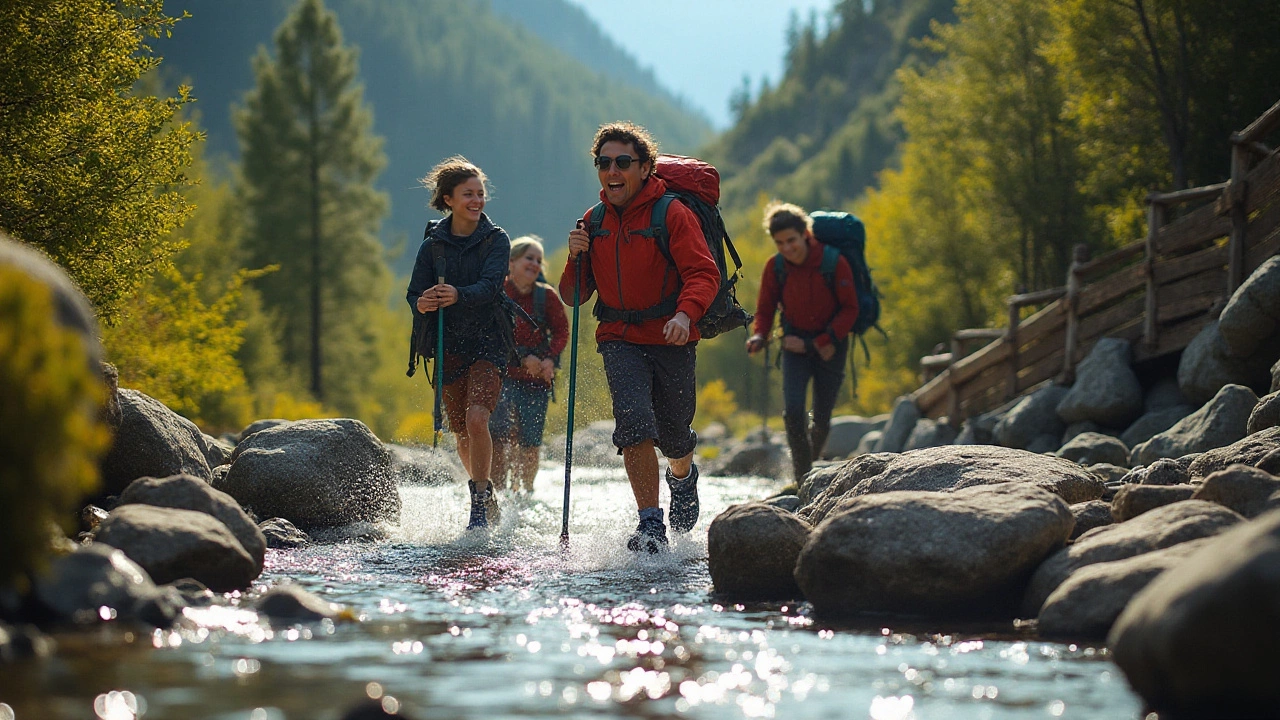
{"points": [[817, 314], [647, 309]]}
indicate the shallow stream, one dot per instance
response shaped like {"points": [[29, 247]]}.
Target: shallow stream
{"points": [[511, 627]]}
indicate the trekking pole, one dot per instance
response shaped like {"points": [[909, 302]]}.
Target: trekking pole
{"points": [[573, 383], [437, 420], [764, 387]]}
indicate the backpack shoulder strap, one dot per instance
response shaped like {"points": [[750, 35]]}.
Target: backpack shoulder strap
{"points": [[780, 271], [830, 260], [658, 226], [597, 221], [540, 304]]}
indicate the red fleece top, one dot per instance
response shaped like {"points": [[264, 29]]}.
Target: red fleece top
{"points": [[807, 302], [631, 273], [528, 335]]}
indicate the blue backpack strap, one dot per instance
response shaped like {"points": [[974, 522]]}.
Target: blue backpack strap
{"points": [[540, 304], [657, 229], [830, 260]]}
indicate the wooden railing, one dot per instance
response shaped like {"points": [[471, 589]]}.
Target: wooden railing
{"points": [[1158, 292]]}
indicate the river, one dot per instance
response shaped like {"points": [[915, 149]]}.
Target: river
{"points": [[511, 626]]}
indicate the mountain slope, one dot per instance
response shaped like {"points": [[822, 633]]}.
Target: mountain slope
{"points": [[445, 77]]}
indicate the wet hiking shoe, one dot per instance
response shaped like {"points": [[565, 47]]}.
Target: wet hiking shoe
{"points": [[684, 500], [650, 536], [484, 506]]}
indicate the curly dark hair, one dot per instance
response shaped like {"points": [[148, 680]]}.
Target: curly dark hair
{"points": [[449, 174], [626, 132], [780, 216]]}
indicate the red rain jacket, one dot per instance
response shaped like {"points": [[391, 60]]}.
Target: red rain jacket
{"points": [[807, 303], [631, 273]]}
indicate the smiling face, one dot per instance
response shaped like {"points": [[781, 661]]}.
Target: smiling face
{"points": [[621, 186], [793, 244], [466, 202], [525, 268]]}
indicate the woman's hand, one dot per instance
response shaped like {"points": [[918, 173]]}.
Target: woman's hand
{"points": [[548, 369], [532, 365], [826, 352], [793, 343], [755, 343]]}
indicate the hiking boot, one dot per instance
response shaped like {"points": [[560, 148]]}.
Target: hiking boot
{"points": [[684, 500], [650, 535], [483, 506]]}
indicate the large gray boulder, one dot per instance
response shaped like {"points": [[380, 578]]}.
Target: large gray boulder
{"points": [[1090, 515], [1092, 448], [847, 431], [1087, 603], [1152, 423], [1207, 365], [1196, 642], [1221, 422], [184, 492], [1252, 450], [930, 433], [752, 550], [869, 442], [95, 576], [1265, 414], [1252, 314], [751, 458], [818, 479], [954, 467], [902, 421], [258, 425], [1130, 501], [152, 441], [1035, 415], [1247, 490], [969, 552], [315, 474], [1106, 390], [174, 544], [1161, 528]]}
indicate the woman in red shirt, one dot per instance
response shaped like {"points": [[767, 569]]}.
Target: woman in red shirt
{"points": [[517, 422]]}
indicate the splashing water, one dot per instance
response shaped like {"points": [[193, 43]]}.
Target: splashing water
{"points": [[507, 625]]}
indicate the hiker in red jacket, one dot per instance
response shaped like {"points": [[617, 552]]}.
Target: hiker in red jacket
{"points": [[817, 314], [647, 310], [517, 422]]}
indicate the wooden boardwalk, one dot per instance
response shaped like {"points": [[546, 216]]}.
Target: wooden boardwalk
{"points": [[1158, 293]]}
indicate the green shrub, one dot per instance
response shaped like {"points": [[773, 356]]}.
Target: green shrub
{"points": [[51, 433]]}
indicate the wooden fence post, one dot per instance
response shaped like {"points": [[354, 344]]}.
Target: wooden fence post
{"points": [[1079, 256], [1237, 195], [1155, 219], [1011, 339]]}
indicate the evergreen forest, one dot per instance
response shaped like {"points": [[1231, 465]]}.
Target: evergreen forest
{"points": [[235, 184]]}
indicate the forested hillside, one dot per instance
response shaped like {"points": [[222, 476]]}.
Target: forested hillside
{"points": [[823, 133], [442, 77]]}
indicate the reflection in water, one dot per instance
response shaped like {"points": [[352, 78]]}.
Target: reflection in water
{"points": [[458, 625]]}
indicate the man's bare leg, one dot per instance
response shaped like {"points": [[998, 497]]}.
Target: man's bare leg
{"points": [[641, 462]]}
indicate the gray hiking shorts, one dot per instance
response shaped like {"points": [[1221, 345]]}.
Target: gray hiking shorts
{"points": [[654, 393]]}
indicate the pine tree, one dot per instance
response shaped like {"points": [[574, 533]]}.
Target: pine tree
{"points": [[309, 162], [90, 167]]}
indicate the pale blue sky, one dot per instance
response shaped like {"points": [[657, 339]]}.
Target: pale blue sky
{"points": [[700, 49]]}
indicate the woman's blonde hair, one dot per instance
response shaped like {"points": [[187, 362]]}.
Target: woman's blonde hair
{"points": [[521, 245]]}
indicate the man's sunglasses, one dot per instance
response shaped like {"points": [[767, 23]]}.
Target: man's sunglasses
{"points": [[602, 162]]}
